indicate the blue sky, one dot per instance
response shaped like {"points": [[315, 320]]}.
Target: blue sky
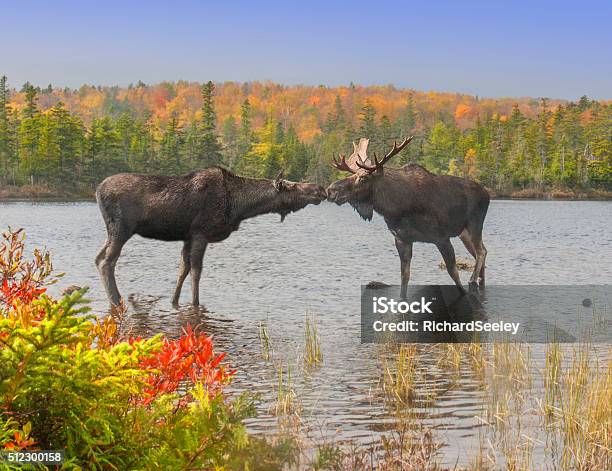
{"points": [[496, 48]]}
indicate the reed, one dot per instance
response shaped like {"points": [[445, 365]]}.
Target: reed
{"points": [[511, 364], [477, 355], [585, 414], [313, 355], [552, 379], [399, 375], [264, 341], [285, 393], [450, 355]]}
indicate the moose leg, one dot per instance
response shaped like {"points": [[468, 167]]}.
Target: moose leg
{"points": [[481, 256], [106, 261], [184, 268], [101, 254], [448, 254], [404, 249], [469, 245], [198, 249]]}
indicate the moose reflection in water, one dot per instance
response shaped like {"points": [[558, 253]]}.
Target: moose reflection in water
{"points": [[417, 205], [199, 208]]}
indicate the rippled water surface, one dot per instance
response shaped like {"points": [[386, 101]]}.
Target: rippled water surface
{"points": [[314, 264]]}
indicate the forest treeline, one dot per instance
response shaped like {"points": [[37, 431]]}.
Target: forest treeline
{"points": [[70, 139]]}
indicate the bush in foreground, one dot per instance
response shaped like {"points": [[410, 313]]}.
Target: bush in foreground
{"points": [[72, 382]]}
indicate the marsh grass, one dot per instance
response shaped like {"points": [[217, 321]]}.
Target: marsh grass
{"points": [[286, 397], [399, 376], [313, 355], [454, 356], [402, 450], [552, 379], [584, 415], [567, 415], [265, 342], [450, 355]]}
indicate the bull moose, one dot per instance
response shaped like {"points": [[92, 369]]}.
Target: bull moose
{"points": [[417, 205], [199, 208]]}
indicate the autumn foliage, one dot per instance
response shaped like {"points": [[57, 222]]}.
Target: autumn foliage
{"points": [[191, 357], [71, 381], [66, 141]]}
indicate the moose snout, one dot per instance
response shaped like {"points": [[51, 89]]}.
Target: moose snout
{"points": [[332, 194], [321, 193], [314, 192]]}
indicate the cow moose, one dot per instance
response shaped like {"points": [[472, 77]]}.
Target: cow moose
{"points": [[417, 205], [199, 208]]}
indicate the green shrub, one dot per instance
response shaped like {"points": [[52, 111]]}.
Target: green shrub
{"points": [[71, 382]]}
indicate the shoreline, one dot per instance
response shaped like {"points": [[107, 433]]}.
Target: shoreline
{"points": [[24, 194]]}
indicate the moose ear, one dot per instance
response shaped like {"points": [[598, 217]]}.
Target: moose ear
{"points": [[278, 181]]}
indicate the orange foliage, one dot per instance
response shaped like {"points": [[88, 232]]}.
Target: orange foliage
{"points": [[461, 110], [303, 107]]}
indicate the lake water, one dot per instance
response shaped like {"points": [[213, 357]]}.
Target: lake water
{"points": [[314, 264]]}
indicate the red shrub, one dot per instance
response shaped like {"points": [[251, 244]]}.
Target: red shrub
{"points": [[190, 357]]}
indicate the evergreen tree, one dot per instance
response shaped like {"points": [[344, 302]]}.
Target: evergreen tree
{"points": [[440, 147], [245, 137], [210, 148], [408, 120], [31, 99], [171, 144], [29, 136], [368, 128], [5, 147], [48, 144], [387, 136], [294, 156]]}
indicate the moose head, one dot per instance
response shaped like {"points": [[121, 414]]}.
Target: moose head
{"points": [[357, 189], [293, 196]]}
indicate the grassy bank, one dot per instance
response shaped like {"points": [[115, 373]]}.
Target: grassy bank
{"points": [[552, 194], [46, 193]]}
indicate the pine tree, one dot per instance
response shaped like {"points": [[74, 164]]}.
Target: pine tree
{"points": [[171, 144], [209, 148], [408, 120], [387, 135], [294, 156], [29, 136], [245, 138], [368, 128], [5, 148], [31, 99]]}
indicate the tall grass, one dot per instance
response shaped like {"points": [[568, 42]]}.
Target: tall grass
{"points": [[313, 355], [585, 412], [399, 375], [552, 379], [285, 393], [264, 341]]}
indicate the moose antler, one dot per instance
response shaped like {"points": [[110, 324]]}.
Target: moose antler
{"points": [[342, 165], [378, 165]]}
